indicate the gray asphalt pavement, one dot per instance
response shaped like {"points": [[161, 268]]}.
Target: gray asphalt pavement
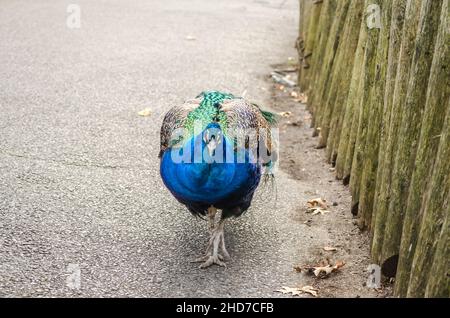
{"points": [[79, 173]]}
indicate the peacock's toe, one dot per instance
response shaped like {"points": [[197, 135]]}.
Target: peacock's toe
{"points": [[226, 255], [213, 259], [204, 258]]}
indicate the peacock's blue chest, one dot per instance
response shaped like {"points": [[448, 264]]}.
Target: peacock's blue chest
{"points": [[202, 180]]}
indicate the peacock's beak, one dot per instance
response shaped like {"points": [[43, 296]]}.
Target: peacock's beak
{"points": [[212, 141], [212, 145]]}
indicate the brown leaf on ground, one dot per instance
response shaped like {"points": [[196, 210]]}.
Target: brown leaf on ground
{"points": [[315, 211], [289, 290], [318, 202], [145, 112], [301, 98], [316, 206], [310, 290], [320, 271], [340, 263], [295, 291], [285, 114]]}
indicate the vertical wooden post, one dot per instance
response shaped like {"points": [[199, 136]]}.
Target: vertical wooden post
{"points": [[434, 208], [437, 103], [401, 82], [376, 104], [411, 124], [368, 81]]}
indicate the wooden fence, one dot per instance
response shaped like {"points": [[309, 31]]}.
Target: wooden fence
{"points": [[377, 73]]}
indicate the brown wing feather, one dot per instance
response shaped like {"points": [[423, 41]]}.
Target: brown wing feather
{"points": [[243, 115], [175, 118]]}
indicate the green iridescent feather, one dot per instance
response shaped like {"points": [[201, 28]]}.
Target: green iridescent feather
{"points": [[208, 111]]}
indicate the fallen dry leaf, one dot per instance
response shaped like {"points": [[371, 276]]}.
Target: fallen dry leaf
{"points": [[145, 112], [321, 271], [301, 98], [322, 203], [310, 290], [295, 291], [316, 211], [285, 114], [339, 264], [317, 206], [329, 248], [289, 290]]}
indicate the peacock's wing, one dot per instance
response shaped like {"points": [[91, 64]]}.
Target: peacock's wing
{"points": [[244, 115], [247, 117], [175, 118]]}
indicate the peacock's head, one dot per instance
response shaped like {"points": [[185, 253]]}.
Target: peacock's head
{"points": [[212, 136]]}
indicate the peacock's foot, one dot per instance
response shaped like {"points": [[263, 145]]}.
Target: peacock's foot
{"points": [[204, 258], [213, 259], [212, 255]]}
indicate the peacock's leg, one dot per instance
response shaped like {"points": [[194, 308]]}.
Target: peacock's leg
{"points": [[211, 218], [225, 253], [212, 211], [216, 242]]}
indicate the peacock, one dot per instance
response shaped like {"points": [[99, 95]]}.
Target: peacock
{"points": [[214, 151]]}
